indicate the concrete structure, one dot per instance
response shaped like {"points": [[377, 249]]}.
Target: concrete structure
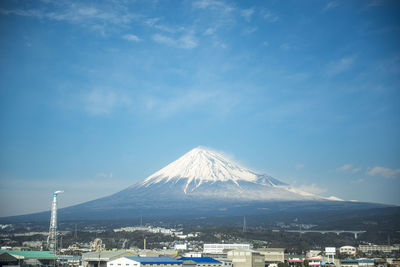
{"points": [[145, 262], [101, 258], [246, 258], [219, 248], [349, 250], [201, 261], [272, 255]]}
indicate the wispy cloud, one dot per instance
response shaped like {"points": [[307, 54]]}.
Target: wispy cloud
{"points": [[103, 102], [213, 5], [250, 30], [342, 65], [268, 15], [345, 167], [382, 171], [349, 167], [247, 14], [192, 100], [104, 175], [313, 189], [131, 37], [186, 41], [78, 13], [155, 23], [330, 5]]}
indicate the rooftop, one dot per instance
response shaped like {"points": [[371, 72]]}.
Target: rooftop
{"points": [[200, 259], [157, 260]]}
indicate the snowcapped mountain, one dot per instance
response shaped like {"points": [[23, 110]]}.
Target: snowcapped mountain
{"points": [[204, 173], [203, 182]]}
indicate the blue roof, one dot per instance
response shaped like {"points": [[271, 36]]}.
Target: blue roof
{"points": [[200, 259], [156, 260]]}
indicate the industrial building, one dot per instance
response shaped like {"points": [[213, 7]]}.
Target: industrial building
{"points": [[24, 258], [145, 262], [101, 258], [246, 258]]}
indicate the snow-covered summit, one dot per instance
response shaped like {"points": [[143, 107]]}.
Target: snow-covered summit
{"points": [[202, 165], [205, 173]]}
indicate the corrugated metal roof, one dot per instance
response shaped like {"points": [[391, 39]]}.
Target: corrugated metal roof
{"points": [[158, 260], [200, 259], [31, 254]]}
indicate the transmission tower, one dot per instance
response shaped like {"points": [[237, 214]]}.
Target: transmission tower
{"points": [[52, 238]]}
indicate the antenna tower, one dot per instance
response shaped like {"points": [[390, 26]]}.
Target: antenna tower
{"points": [[52, 238], [244, 224]]}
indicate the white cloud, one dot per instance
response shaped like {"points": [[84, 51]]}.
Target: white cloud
{"points": [[213, 4], [78, 13], [211, 100], [330, 5], [346, 167], [250, 30], [382, 171], [247, 14], [340, 66], [131, 37], [349, 167], [268, 15], [210, 31], [104, 175], [312, 189], [358, 181], [103, 101], [187, 41]]}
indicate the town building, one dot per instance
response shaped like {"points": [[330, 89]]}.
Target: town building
{"points": [[145, 262], [272, 255], [219, 248], [101, 258], [246, 258], [349, 250]]}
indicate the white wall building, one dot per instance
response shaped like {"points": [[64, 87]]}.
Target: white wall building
{"points": [[349, 250], [219, 248], [144, 262]]}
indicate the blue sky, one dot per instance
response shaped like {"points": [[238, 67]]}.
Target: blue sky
{"points": [[97, 95]]}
